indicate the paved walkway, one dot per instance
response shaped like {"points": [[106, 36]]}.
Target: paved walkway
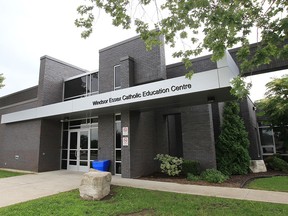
{"points": [[32, 186]]}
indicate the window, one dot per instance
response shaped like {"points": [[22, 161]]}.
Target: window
{"points": [[117, 77], [118, 144], [81, 86]]}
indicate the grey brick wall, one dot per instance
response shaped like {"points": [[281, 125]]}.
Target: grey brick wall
{"points": [[50, 145], [52, 74], [20, 139], [143, 143], [30, 139], [126, 150], [149, 66], [198, 65], [106, 139], [18, 97], [250, 121], [197, 134]]}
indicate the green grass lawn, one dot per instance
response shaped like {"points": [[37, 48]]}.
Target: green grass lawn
{"points": [[276, 183], [5, 174], [125, 200]]}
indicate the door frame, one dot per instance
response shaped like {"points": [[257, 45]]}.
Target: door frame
{"points": [[78, 167]]}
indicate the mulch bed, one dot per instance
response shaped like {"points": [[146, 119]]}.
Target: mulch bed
{"points": [[238, 181]]}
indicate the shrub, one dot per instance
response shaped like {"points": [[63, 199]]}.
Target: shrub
{"points": [[169, 165], [213, 176], [190, 166], [277, 163], [192, 177], [232, 147]]}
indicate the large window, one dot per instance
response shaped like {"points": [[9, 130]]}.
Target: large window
{"points": [[117, 77], [81, 86], [273, 140]]}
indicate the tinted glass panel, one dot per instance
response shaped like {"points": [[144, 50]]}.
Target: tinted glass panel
{"points": [[75, 87], [65, 125], [64, 154], [65, 140], [83, 163], [94, 82], [84, 140], [88, 84], [64, 164], [118, 168], [117, 77], [72, 162], [77, 123], [93, 155], [83, 154], [73, 140], [73, 154], [281, 140], [118, 155], [118, 134], [94, 138], [266, 135]]}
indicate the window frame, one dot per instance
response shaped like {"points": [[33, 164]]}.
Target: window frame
{"points": [[117, 87]]}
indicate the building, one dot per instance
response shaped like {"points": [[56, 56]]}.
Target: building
{"points": [[134, 107]]}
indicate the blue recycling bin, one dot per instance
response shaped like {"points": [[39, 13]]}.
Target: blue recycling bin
{"points": [[101, 165]]}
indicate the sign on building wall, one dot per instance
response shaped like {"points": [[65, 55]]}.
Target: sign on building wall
{"points": [[125, 141], [125, 131]]}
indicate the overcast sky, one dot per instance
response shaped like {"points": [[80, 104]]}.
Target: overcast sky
{"points": [[34, 28]]}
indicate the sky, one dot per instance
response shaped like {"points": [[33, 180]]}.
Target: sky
{"points": [[31, 29]]}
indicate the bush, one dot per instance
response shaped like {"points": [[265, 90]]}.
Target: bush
{"points": [[232, 147], [169, 165], [276, 163], [213, 176], [190, 166], [192, 177]]}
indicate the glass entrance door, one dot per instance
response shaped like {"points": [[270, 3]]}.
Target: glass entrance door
{"points": [[78, 157]]}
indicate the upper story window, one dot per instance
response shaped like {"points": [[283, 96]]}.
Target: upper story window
{"points": [[117, 77], [81, 86]]}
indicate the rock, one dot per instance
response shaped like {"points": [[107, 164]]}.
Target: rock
{"points": [[257, 166], [95, 185]]}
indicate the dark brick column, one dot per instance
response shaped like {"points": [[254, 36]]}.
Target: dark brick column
{"points": [[127, 71]]}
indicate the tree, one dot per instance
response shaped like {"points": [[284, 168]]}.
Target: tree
{"points": [[275, 104], [1, 80], [232, 147], [274, 107], [223, 23]]}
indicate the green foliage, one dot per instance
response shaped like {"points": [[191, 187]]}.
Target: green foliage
{"points": [[1, 80], [276, 163], [129, 201], [190, 167], [213, 176], [240, 89], [209, 175], [169, 165], [274, 107], [276, 183], [5, 174], [232, 146], [223, 23], [275, 104], [192, 177]]}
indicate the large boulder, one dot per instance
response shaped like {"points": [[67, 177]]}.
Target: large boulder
{"points": [[257, 166], [95, 185]]}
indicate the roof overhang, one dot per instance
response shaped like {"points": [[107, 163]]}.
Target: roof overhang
{"points": [[178, 91]]}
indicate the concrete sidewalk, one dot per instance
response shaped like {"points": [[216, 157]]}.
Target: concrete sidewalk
{"points": [[32, 186]]}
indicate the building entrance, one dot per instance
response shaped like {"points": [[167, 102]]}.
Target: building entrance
{"points": [[78, 156]]}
